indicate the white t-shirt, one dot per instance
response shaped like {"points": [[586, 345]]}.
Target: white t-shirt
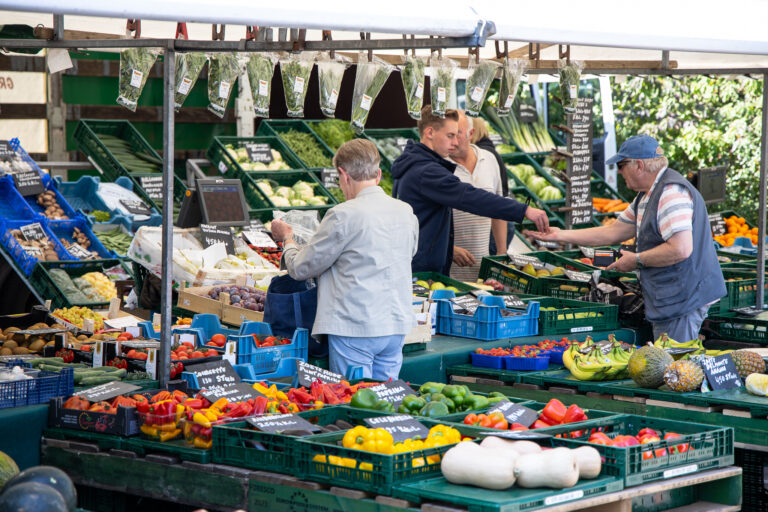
{"points": [[473, 232]]}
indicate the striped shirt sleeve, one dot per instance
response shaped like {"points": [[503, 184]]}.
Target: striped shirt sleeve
{"points": [[628, 215], [675, 212]]}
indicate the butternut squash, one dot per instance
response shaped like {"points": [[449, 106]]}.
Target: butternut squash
{"points": [[589, 462], [468, 463], [499, 445], [556, 469], [520, 447]]}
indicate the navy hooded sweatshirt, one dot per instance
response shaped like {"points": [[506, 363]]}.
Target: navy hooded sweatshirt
{"points": [[425, 180]]}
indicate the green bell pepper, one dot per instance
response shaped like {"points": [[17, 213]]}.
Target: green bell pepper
{"points": [[364, 398], [439, 397], [455, 393], [494, 400], [477, 402], [498, 394], [434, 409], [411, 404], [383, 405], [431, 387]]}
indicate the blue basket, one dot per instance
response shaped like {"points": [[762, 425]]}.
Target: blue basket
{"points": [[40, 390], [486, 361], [255, 363], [526, 363], [204, 326], [64, 228], [22, 258], [487, 323], [555, 356], [12, 204], [51, 185]]}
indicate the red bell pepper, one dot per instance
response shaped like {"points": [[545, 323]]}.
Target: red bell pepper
{"points": [[517, 426], [329, 397], [498, 421], [540, 424], [553, 412], [573, 414], [259, 405], [470, 419]]}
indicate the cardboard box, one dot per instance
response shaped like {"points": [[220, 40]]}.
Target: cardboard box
{"points": [[422, 331], [196, 300]]}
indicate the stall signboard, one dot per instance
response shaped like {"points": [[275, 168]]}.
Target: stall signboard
{"points": [[216, 234], [29, 183], [261, 152], [579, 170], [401, 426], [309, 373], [277, 423]]}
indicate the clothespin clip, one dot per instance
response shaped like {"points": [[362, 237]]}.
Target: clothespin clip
{"points": [[133, 26]]}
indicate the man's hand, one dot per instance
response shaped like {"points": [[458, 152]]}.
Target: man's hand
{"points": [[553, 235], [538, 217], [627, 262], [281, 231], [462, 257]]}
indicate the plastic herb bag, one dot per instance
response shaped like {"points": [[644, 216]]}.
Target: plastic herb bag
{"points": [[481, 75], [441, 84], [412, 73], [329, 74], [223, 70], [260, 68], [570, 74], [511, 75], [369, 80], [296, 70], [135, 65], [188, 67]]}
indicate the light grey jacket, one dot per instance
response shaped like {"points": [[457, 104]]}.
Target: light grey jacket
{"points": [[361, 256]]}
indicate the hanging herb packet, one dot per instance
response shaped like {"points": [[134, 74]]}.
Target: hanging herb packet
{"points": [[296, 70], [481, 75], [412, 73], [511, 75], [369, 80], [135, 65], [329, 74], [260, 68], [441, 84], [223, 70], [570, 74], [188, 67]]}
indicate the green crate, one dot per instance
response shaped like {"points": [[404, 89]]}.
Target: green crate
{"points": [[630, 388], [463, 287], [87, 138], [736, 261], [177, 448], [280, 126], [495, 267], [375, 135], [730, 326], [179, 191], [228, 165], [253, 193], [103, 441], [599, 317], [238, 445], [563, 377], [738, 398], [42, 282], [502, 375], [552, 287], [742, 290], [700, 447]]}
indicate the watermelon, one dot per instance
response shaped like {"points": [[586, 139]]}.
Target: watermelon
{"points": [[8, 469], [52, 477], [32, 497]]}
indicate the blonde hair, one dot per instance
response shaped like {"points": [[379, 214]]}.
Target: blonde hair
{"points": [[429, 119], [359, 158], [481, 129]]}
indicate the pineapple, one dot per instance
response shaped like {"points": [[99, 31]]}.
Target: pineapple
{"points": [[683, 376], [748, 362]]}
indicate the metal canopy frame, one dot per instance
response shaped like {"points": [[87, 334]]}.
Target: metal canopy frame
{"points": [[171, 46]]}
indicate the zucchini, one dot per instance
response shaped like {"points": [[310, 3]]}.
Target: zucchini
{"points": [[102, 379]]}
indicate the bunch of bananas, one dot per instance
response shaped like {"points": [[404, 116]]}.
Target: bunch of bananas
{"points": [[586, 361], [665, 342]]}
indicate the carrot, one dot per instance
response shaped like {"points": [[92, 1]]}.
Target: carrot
{"points": [[618, 208]]}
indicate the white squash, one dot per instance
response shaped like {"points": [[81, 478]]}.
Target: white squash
{"points": [[556, 469], [757, 384], [468, 463], [589, 461], [499, 445], [520, 447]]}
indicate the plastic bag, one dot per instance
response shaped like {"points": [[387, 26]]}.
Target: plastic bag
{"points": [[369, 80], [296, 70], [511, 74], [412, 74], [260, 68], [570, 75], [188, 67], [441, 84], [135, 65], [481, 75], [304, 223], [329, 74], [223, 70], [65, 284]]}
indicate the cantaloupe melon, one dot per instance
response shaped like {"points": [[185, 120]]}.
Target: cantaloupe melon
{"points": [[8, 469], [646, 366]]}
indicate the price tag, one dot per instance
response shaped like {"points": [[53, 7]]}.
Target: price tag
{"points": [[224, 89], [680, 350], [6, 152], [263, 88], [136, 207], [234, 393], [151, 365], [393, 391], [477, 94], [721, 372], [259, 239], [419, 90], [717, 223], [562, 498], [508, 101], [213, 374], [588, 252], [33, 231], [401, 426], [261, 152], [365, 103], [520, 260], [29, 183], [528, 113], [78, 252], [513, 301], [98, 353], [88, 324], [230, 352], [466, 305], [441, 94], [35, 252], [419, 290], [547, 245], [308, 373], [574, 92], [515, 413], [153, 186], [214, 234], [334, 97], [330, 177], [136, 77], [184, 86], [107, 391], [582, 277], [497, 139], [276, 423], [401, 142], [298, 85], [222, 167]]}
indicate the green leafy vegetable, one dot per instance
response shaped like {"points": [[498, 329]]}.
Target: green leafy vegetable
{"points": [[188, 67], [441, 84], [295, 70], [570, 74], [115, 240], [101, 215], [334, 132], [306, 148], [511, 73], [135, 65], [223, 71], [329, 74], [369, 80], [412, 74], [260, 68], [481, 75]]}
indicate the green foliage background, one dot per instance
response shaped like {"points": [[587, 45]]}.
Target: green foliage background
{"points": [[700, 122]]}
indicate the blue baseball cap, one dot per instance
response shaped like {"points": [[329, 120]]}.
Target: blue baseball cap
{"points": [[638, 147]]}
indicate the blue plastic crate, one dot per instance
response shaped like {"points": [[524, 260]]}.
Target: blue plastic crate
{"points": [[12, 204], [23, 259], [16, 147], [204, 326], [65, 228], [526, 363], [555, 356], [486, 361], [51, 185], [255, 363], [39, 390], [487, 323]]}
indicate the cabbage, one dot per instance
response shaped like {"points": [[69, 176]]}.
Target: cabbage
{"points": [[537, 183], [550, 193], [303, 190], [298, 202], [317, 201]]}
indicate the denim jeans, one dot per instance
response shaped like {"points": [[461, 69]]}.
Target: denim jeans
{"points": [[380, 357], [684, 328]]}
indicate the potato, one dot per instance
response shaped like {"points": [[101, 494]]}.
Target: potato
{"points": [[20, 351], [10, 344], [37, 345], [9, 330], [6, 351]]}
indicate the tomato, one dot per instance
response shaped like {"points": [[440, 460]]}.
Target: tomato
{"points": [[219, 340], [196, 354], [211, 352]]}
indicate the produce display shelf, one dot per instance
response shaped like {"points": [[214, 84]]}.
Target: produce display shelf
{"points": [[731, 326], [738, 398], [42, 281], [500, 374], [376, 134], [177, 448], [741, 287], [50, 186], [495, 267], [256, 198], [577, 316], [23, 259], [523, 195], [255, 363], [38, 390], [463, 287], [229, 166], [563, 377], [103, 441], [630, 388], [64, 229]]}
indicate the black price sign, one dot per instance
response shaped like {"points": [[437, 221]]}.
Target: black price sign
{"points": [[235, 393], [515, 413], [721, 372], [6, 152], [309, 373], [214, 374], [330, 178], [152, 185], [528, 113], [33, 232], [680, 350], [547, 245], [393, 391], [79, 252], [215, 234], [497, 139], [259, 152], [521, 260], [136, 207], [419, 290], [466, 304], [582, 277], [401, 426], [717, 223], [276, 423], [513, 301], [29, 183], [750, 311], [107, 391], [579, 170]]}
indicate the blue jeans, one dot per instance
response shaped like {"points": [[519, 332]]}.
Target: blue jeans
{"points": [[684, 328], [380, 357]]}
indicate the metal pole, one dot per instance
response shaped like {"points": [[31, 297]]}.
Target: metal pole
{"points": [[164, 358], [761, 214]]}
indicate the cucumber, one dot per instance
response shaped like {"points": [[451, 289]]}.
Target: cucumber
{"points": [[109, 369], [45, 360], [95, 381], [50, 368]]}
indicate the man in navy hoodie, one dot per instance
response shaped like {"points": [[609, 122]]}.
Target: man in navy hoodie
{"points": [[424, 179]]}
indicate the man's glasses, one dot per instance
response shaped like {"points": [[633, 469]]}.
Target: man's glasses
{"points": [[623, 163]]}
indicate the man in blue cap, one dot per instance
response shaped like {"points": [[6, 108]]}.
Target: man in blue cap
{"points": [[675, 257]]}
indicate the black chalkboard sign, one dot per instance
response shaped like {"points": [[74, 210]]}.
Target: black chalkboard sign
{"points": [[515, 413], [215, 234], [717, 223], [29, 183], [721, 372], [680, 350], [136, 207], [235, 393], [330, 178], [6, 153], [465, 305], [497, 139], [276, 423], [393, 391], [107, 391], [33, 231], [152, 185], [214, 374], [308, 373], [528, 113], [513, 301], [579, 169], [77, 251], [259, 152], [521, 260], [547, 244], [582, 277], [401, 426], [419, 289]]}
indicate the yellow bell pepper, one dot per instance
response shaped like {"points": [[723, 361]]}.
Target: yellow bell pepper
{"points": [[179, 411], [187, 429], [348, 463], [220, 403], [150, 431], [366, 466], [400, 448], [200, 443], [318, 457], [165, 427], [261, 389], [355, 438], [171, 434], [211, 415], [384, 441], [417, 463], [201, 419]]}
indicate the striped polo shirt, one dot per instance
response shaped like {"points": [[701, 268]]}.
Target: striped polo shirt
{"points": [[675, 212]]}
